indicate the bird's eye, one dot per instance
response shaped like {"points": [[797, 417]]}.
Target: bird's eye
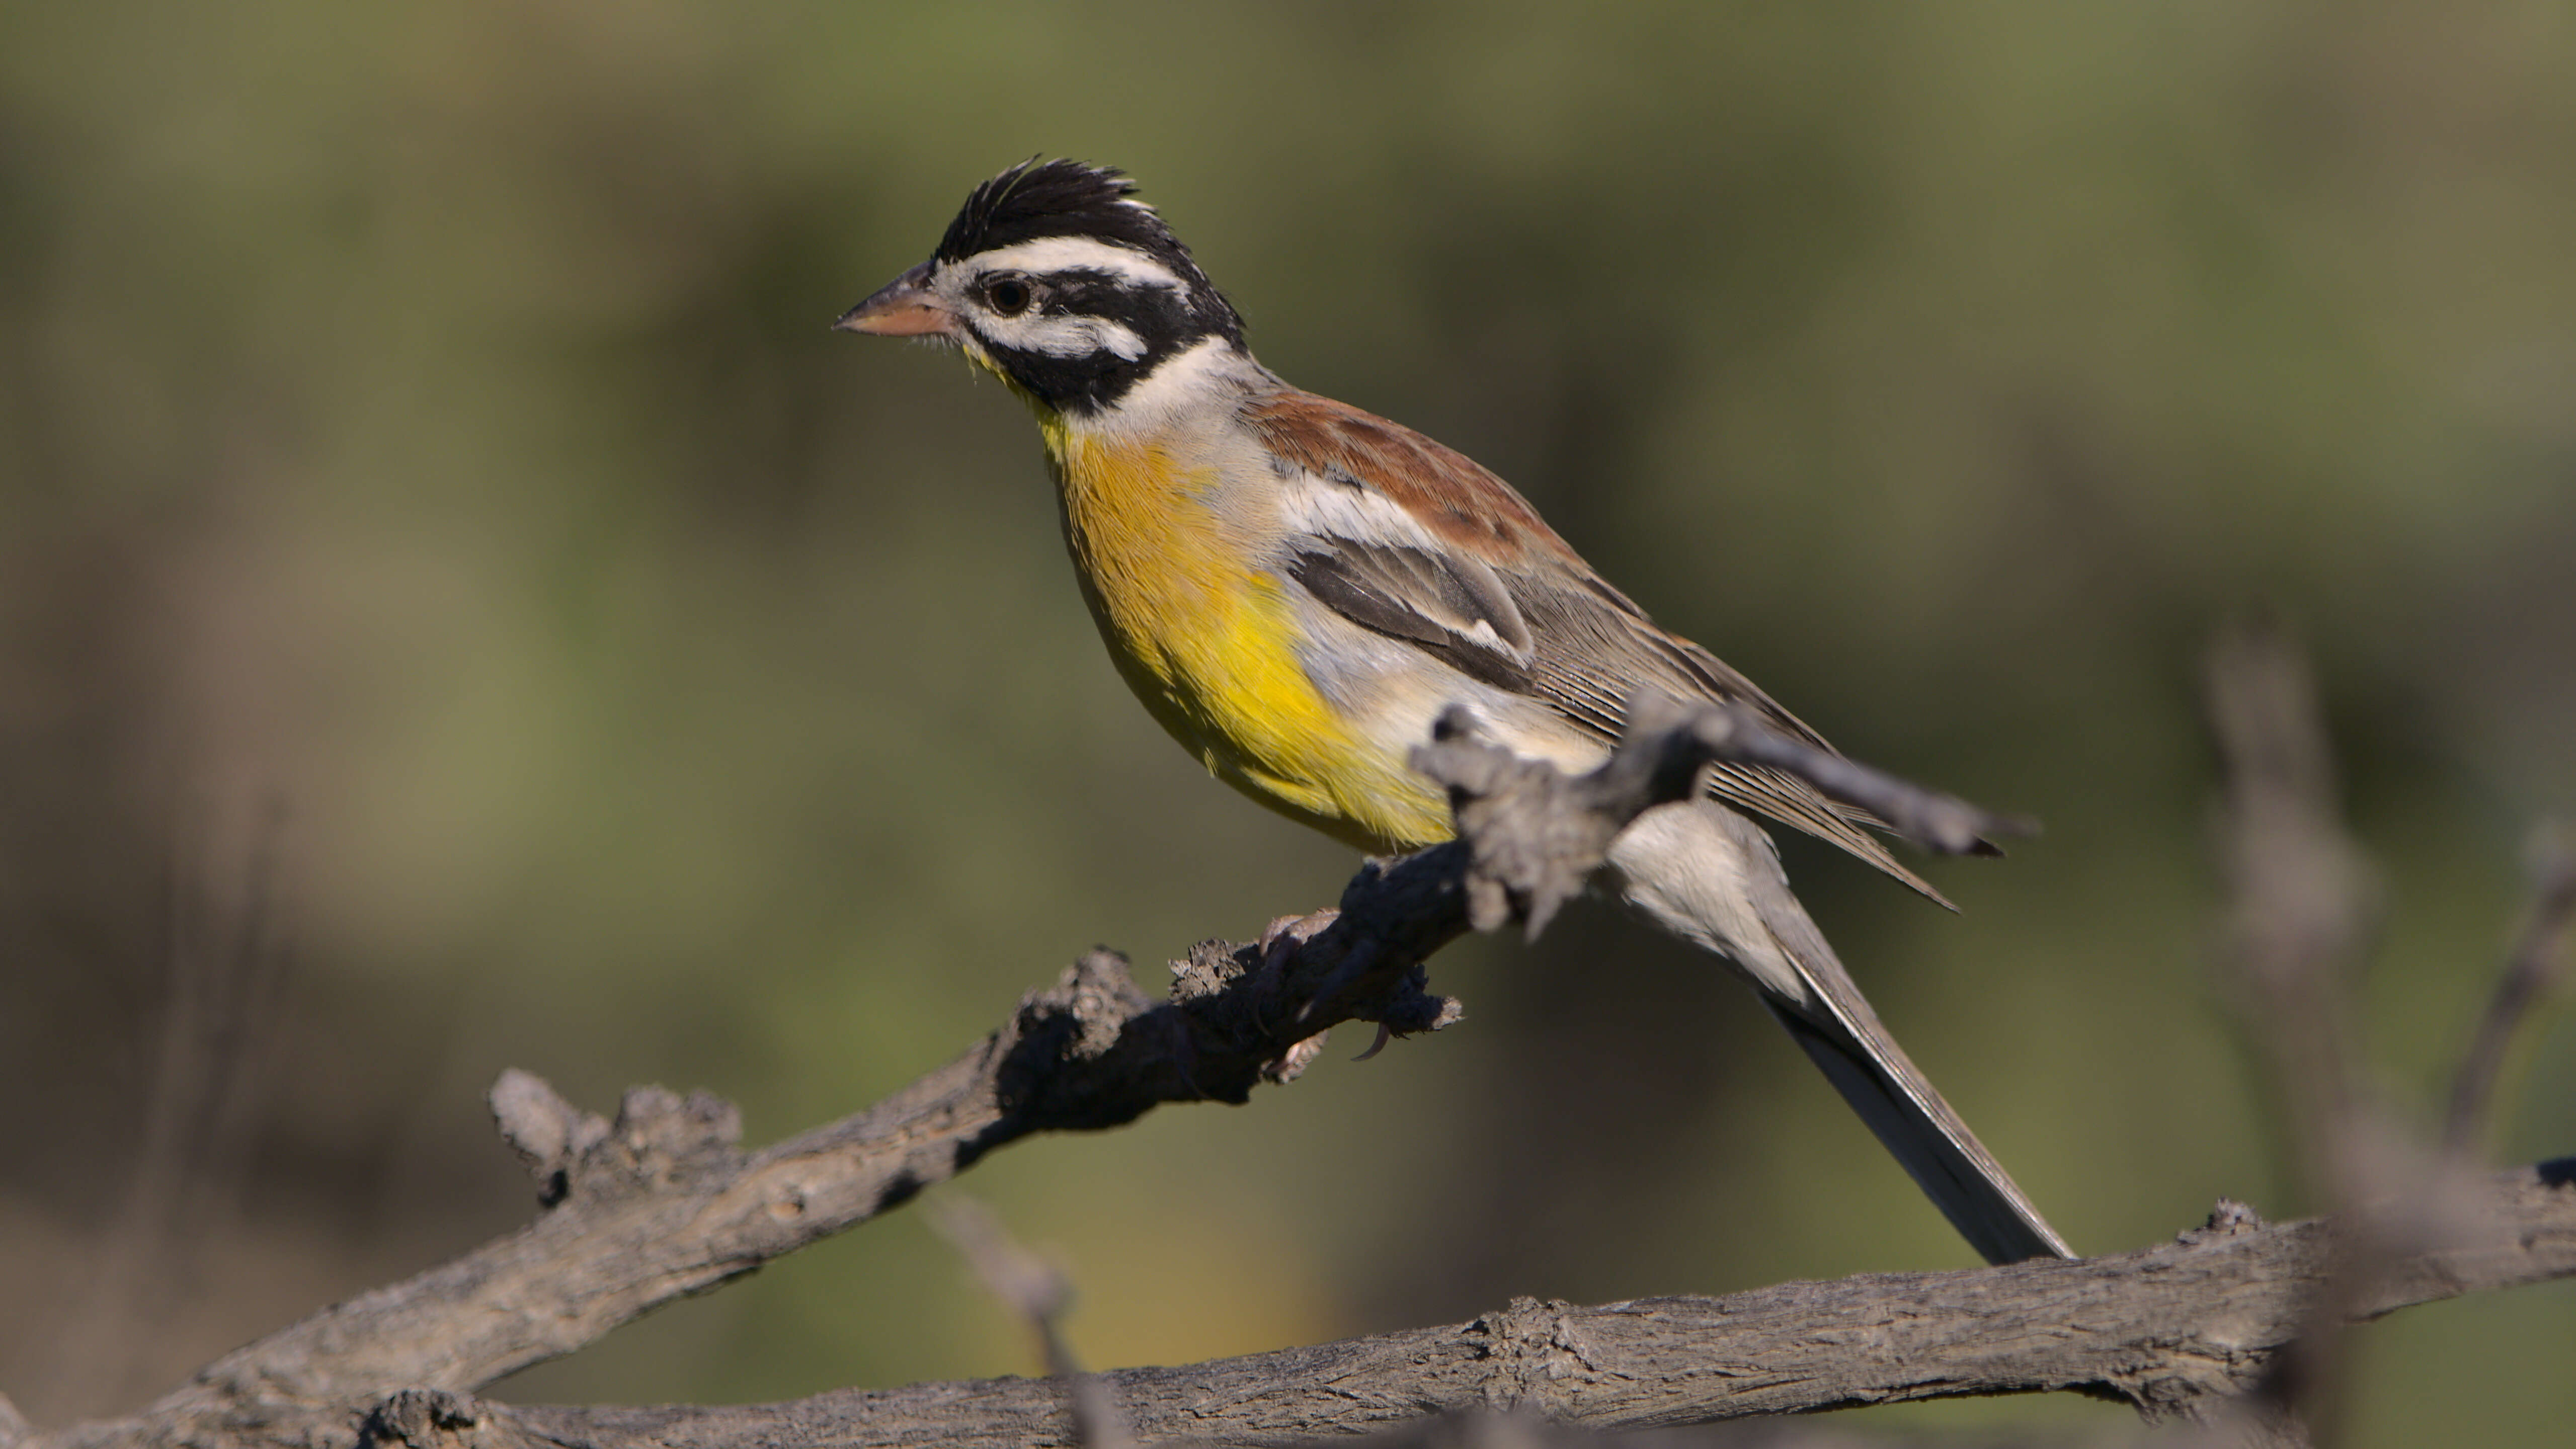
{"points": [[1009, 296]]}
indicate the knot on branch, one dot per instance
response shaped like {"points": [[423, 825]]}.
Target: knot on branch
{"points": [[431, 1419], [659, 1138], [1049, 1076], [1354, 963], [1202, 980], [549, 1133], [1083, 1013], [2228, 1219], [1539, 1357]]}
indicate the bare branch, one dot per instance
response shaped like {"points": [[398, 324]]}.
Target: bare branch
{"points": [[224, 966], [2300, 889], [2169, 1328], [661, 1202], [2298, 916], [2530, 975]]}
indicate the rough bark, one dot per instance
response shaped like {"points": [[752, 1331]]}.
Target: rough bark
{"points": [[662, 1202], [2170, 1328]]}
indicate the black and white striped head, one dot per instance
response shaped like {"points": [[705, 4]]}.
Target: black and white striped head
{"points": [[1057, 279]]}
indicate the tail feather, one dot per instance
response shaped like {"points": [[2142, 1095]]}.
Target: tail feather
{"points": [[1843, 1036], [1711, 876], [1929, 1141]]}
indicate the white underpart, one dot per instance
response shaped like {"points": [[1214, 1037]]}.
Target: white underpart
{"points": [[1062, 253], [1692, 868]]}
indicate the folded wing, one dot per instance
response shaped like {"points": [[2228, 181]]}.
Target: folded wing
{"points": [[1416, 541]]}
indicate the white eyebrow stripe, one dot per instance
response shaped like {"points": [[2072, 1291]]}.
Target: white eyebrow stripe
{"points": [[1060, 253]]}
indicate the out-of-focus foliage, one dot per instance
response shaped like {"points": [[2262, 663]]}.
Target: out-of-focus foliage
{"points": [[423, 461]]}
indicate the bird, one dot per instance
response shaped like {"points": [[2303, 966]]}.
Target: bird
{"points": [[1296, 589]]}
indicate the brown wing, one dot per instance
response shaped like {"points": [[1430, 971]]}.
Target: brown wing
{"points": [[1557, 632], [1444, 490]]}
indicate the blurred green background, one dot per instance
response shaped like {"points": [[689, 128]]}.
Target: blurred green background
{"points": [[460, 608]]}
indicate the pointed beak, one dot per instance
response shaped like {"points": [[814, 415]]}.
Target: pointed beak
{"points": [[904, 307]]}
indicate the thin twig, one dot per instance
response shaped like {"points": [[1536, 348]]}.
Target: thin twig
{"points": [[224, 964], [2531, 974], [2300, 891], [1039, 1292], [2298, 917]]}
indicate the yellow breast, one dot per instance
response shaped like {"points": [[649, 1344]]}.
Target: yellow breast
{"points": [[1208, 641]]}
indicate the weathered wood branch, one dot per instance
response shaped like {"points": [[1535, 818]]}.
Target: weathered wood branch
{"points": [[662, 1202], [2167, 1327]]}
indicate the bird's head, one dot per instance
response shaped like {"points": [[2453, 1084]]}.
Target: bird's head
{"points": [[1057, 280]]}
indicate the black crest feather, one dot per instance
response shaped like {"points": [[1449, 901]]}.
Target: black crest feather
{"points": [[1056, 198]]}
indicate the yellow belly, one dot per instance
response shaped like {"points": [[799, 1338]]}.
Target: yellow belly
{"points": [[1209, 645]]}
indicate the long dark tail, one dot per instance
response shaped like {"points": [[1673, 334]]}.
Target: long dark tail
{"points": [[1936, 1149], [1842, 1035], [1710, 876]]}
